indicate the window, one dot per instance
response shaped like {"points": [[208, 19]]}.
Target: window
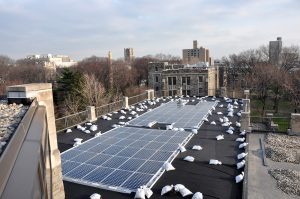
{"points": [[200, 90], [188, 80], [171, 80], [174, 80], [156, 68], [200, 79], [188, 92], [183, 80], [156, 78], [170, 93], [156, 88]]}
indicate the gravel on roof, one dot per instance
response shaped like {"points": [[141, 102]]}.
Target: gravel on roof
{"points": [[10, 117]]}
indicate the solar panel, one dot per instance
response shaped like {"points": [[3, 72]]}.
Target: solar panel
{"points": [[126, 158], [187, 116]]}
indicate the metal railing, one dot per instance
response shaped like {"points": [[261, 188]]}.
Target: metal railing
{"points": [[107, 108], [71, 120], [138, 98]]}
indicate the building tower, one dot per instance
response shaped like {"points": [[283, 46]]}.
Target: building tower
{"points": [[110, 69], [196, 55], [128, 54], [275, 48]]}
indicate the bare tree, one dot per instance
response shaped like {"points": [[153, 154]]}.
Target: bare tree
{"points": [[289, 56], [261, 82], [93, 91], [292, 87]]}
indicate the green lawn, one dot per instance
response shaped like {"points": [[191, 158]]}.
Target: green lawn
{"points": [[284, 110]]}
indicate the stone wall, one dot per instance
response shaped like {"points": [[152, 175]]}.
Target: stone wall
{"points": [[295, 124]]}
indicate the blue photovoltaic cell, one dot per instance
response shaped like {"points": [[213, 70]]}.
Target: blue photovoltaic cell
{"points": [[98, 174], [85, 146], [113, 150], [132, 164], [128, 152], [150, 167], [68, 166], [125, 142], [99, 159], [128, 157], [99, 148], [176, 139], [139, 144], [112, 140], [83, 157], [169, 147], [70, 154], [114, 162], [148, 137], [153, 145], [144, 154], [161, 156], [162, 138], [187, 116], [133, 137], [117, 178], [136, 180], [124, 135], [80, 171]]}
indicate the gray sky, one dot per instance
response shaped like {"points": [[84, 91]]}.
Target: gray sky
{"points": [[81, 28]]}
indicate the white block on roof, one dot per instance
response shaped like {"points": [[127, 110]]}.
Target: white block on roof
{"points": [[94, 128], [243, 145], [68, 131], [197, 195], [242, 155], [168, 166], [166, 189], [181, 148], [189, 159], [239, 178], [240, 164], [220, 137], [197, 147], [215, 162], [240, 139], [185, 192], [78, 140], [95, 196], [140, 194]]}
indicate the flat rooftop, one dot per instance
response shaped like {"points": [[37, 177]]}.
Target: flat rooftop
{"points": [[214, 181]]}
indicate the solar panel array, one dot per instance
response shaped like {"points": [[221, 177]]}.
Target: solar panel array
{"points": [[122, 159], [187, 116]]}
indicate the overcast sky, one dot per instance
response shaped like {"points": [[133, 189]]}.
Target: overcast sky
{"points": [[81, 28]]}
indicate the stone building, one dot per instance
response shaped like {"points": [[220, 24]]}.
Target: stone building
{"points": [[53, 61], [195, 55], [275, 49], [180, 79], [128, 54]]}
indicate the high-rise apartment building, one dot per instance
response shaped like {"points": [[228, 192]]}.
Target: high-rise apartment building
{"points": [[195, 55], [275, 48], [128, 54]]}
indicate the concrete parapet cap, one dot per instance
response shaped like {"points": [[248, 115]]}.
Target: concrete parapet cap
{"points": [[295, 114], [246, 91], [269, 114], [29, 87]]}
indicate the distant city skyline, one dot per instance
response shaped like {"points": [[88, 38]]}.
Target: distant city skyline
{"points": [[93, 27]]}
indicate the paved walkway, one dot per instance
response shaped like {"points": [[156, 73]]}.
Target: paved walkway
{"points": [[262, 185]]}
